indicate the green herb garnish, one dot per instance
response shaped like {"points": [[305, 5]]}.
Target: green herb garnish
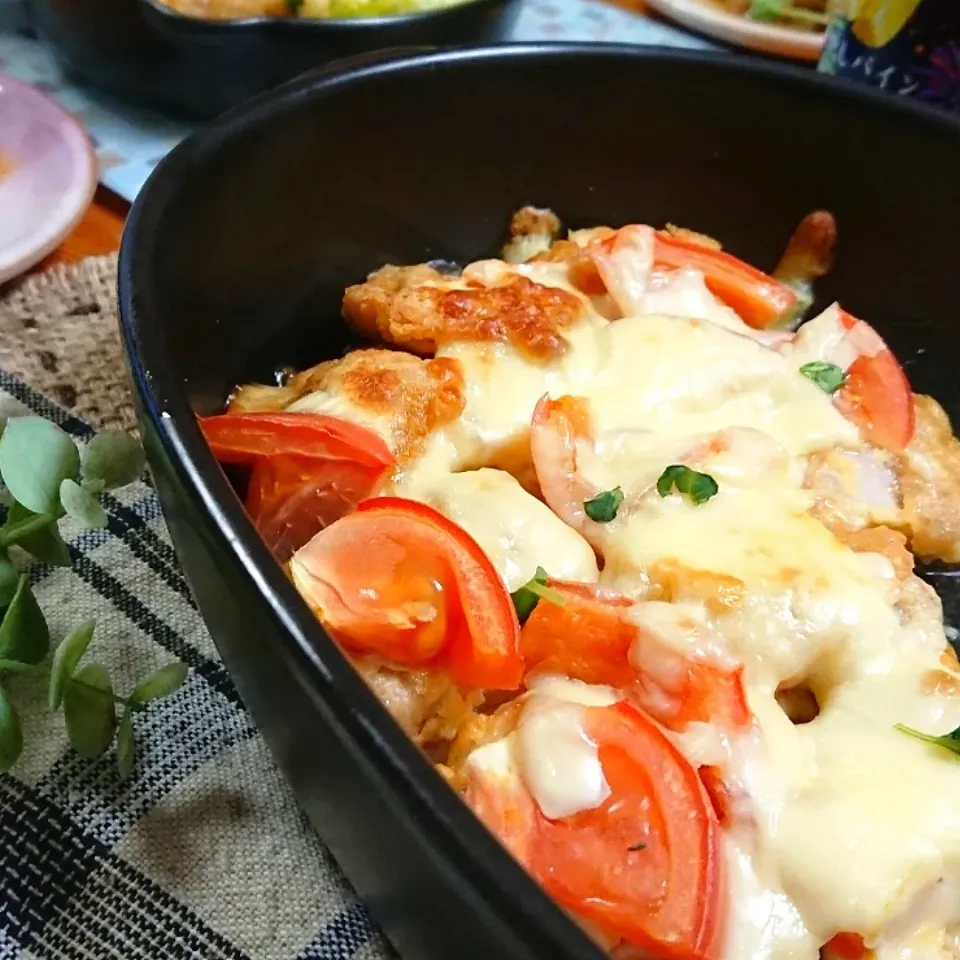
{"points": [[767, 10], [46, 478], [949, 741], [698, 487], [604, 506], [827, 376], [526, 598]]}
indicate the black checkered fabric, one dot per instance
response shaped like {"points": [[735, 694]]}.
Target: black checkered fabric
{"points": [[202, 853]]}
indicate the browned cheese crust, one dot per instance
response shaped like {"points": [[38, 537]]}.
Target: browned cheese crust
{"points": [[417, 396], [417, 308]]}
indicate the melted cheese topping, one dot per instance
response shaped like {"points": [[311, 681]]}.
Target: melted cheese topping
{"points": [[848, 825], [550, 751], [516, 531]]}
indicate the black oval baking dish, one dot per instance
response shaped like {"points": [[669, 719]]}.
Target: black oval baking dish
{"points": [[191, 68], [233, 264]]}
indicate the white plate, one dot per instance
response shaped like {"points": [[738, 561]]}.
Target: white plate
{"points": [[702, 16], [48, 175]]}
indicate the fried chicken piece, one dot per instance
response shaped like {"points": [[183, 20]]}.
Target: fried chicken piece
{"points": [[890, 543], [417, 308], [429, 706], [532, 231], [477, 731], [929, 479], [402, 397]]}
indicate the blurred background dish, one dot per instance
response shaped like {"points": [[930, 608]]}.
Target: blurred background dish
{"points": [[195, 67], [777, 27], [48, 174], [304, 9]]}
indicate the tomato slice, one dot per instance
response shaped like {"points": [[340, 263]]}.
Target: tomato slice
{"points": [[243, 438], [398, 579], [876, 395], [845, 946], [757, 298], [719, 793], [292, 498], [589, 638], [646, 865]]}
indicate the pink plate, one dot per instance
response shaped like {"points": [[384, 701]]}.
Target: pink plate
{"points": [[48, 174]]}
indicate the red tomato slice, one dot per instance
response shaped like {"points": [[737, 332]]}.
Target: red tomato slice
{"points": [[877, 395], [719, 793], [398, 579], [290, 499], [243, 438], [588, 638], [845, 946], [646, 865], [758, 298], [308, 469]]}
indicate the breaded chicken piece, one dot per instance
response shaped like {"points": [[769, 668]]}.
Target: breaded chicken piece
{"points": [[929, 479], [479, 730], [429, 706], [401, 397], [532, 230], [418, 308]]}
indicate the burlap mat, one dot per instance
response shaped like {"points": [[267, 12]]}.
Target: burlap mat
{"points": [[58, 332], [202, 853]]}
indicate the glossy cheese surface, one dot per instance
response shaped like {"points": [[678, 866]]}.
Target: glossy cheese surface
{"points": [[849, 825]]}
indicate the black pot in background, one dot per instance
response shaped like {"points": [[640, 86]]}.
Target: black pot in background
{"points": [[234, 262], [194, 69]]}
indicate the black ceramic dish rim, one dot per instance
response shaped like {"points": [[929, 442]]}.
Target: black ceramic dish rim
{"points": [[315, 25], [465, 844]]}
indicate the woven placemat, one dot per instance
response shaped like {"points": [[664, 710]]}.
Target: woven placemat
{"points": [[59, 333], [202, 853]]}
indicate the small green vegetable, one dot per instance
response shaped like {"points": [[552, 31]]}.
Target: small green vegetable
{"points": [[24, 635], [949, 741], [604, 506], [698, 487], [11, 734], [125, 746], [526, 598], [46, 478], [111, 460], [36, 456], [90, 711], [9, 579], [827, 376], [767, 10], [161, 684], [82, 505], [65, 660], [37, 534]]}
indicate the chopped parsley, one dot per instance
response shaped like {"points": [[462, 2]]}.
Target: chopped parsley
{"points": [[827, 376], [604, 506], [698, 487], [526, 598], [949, 741]]}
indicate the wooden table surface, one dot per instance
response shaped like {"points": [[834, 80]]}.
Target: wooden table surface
{"points": [[99, 231]]}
